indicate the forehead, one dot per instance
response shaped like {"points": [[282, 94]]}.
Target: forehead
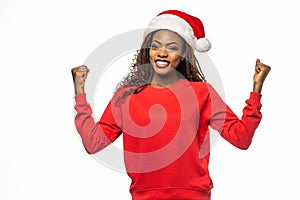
{"points": [[167, 36]]}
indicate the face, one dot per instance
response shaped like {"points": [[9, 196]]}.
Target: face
{"points": [[165, 52]]}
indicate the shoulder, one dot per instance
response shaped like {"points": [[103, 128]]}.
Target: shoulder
{"points": [[201, 87], [123, 93], [205, 90]]}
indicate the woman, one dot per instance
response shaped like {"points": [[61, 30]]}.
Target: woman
{"points": [[163, 108]]}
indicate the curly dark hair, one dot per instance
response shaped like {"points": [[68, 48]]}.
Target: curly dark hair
{"points": [[141, 71]]}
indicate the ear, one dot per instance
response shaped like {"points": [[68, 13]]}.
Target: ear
{"points": [[182, 57]]}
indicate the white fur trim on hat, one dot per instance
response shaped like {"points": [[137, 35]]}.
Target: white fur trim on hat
{"points": [[202, 45], [172, 23]]}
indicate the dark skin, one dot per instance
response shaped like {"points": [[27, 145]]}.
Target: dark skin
{"points": [[165, 54], [79, 75], [260, 74]]}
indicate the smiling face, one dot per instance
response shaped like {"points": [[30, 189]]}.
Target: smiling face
{"points": [[165, 54]]}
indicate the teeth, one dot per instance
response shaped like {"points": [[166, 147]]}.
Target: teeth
{"points": [[162, 63]]}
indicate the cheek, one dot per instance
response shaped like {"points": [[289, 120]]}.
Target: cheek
{"points": [[176, 58], [151, 56]]}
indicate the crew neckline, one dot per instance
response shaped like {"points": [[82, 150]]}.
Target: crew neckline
{"points": [[179, 79], [170, 88]]}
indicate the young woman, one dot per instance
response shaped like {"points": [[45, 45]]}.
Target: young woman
{"points": [[163, 108]]}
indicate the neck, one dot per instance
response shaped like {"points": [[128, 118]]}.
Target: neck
{"points": [[159, 81]]}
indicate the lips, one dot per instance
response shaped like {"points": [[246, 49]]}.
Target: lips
{"points": [[162, 63]]}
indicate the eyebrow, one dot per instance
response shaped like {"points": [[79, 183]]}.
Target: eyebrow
{"points": [[167, 43]]}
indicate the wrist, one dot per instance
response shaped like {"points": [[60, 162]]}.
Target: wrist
{"points": [[257, 87], [79, 90]]}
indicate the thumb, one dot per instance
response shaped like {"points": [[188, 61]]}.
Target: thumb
{"points": [[257, 60]]}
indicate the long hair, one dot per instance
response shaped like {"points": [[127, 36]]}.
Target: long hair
{"points": [[141, 70]]}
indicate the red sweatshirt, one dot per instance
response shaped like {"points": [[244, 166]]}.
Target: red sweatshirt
{"points": [[166, 136]]}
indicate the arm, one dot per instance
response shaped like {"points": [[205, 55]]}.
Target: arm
{"points": [[239, 132], [95, 136]]}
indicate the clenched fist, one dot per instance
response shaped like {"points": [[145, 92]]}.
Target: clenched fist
{"points": [[79, 75], [260, 74]]}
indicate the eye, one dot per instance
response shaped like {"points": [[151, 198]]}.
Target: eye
{"points": [[154, 47], [173, 48]]}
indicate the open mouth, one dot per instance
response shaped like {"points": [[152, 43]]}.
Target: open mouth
{"points": [[162, 63]]}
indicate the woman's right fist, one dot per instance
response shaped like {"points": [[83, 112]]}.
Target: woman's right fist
{"points": [[79, 75]]}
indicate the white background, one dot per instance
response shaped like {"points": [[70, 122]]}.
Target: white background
{"points": [[40, 41]]}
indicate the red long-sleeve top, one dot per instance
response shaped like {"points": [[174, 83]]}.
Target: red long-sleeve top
{"points": [[166, 136]]}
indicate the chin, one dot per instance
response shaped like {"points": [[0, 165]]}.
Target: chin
{"points": [[163, 71]]}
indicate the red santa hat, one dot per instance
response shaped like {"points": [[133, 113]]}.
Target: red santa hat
{"points": [[187, 26]]}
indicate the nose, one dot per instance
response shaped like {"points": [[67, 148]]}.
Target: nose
{"points": [[163, 52]]}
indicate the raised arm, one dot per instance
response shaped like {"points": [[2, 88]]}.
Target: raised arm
{"points": [[95, 135], [239, 131]]}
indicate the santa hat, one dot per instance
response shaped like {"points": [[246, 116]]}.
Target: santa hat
{"points": [[187, 26]]}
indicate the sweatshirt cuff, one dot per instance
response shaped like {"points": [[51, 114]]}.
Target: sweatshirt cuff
{"points": [[254, 96], [80, 99]]}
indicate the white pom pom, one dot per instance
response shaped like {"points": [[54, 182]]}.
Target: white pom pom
{"points": [[203, 45]]}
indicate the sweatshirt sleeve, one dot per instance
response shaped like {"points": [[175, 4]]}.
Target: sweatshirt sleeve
{"points": [[238, 131], [95, 135]]}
